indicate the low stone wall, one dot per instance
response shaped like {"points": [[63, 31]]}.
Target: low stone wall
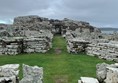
{"points": [[36, 45], [92, 45], [78, 41], [76, 45], [17, 45], [108, 51], [11, 46]]}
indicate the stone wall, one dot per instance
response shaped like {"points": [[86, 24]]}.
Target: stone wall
{"points": [[32, 23], [78, 41], [76, 45], [91, 43], [104, 50], [36, 45], [17, 45], [11, 46], [72, 25], [27, 34]]}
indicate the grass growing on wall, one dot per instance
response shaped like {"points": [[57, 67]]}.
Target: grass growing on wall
{"points": [[59, 66]]}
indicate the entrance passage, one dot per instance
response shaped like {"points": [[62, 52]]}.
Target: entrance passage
{"points": [[59, 44]]}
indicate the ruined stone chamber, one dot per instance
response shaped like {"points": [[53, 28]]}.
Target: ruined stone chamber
{"points": [[28, 34], [83, 37], [78, 35]]}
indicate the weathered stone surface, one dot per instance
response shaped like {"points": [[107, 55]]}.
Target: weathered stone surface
{"points": [[32, 74], [112, 75], [11, 46], [76, 45], [78, 40], [101, 71], [33, 23], [107, 73], [34, 42], [37, 44], [103, 49], [88, 80], [9, 70], [9, 73], [5, 30]]}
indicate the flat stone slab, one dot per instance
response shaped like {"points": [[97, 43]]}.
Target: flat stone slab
{"points": [[87, 80]]}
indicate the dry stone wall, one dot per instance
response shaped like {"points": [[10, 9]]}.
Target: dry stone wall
{"points": [[78, 41], [11, 46], [36, 45], [92, 44], [27, 34], [108, 50], [16, 45], [76, 45]]}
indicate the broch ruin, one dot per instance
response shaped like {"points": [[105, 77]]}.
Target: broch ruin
{"points": [[34, 34], [30, 34]]}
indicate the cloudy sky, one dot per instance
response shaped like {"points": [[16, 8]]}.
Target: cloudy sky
{"points": [[101, 13]]}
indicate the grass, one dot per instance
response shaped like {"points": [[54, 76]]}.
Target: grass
{"points": [[58, 68]]}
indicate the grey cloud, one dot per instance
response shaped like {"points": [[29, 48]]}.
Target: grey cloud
{"points": [[12, 8], [97, 12]]}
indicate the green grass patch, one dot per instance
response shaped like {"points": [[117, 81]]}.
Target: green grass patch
{"points": [[59, 67]]}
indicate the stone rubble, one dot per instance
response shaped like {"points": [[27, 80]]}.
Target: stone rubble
{"points": [[5, 30], [32, 74], [9, 73], [107, 73]]}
